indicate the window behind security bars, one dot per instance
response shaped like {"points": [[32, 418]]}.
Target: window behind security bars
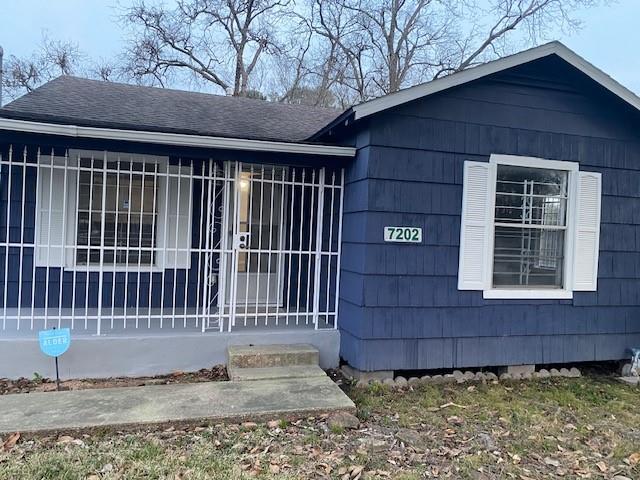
{"points": [[126, 211], [133, 210]]}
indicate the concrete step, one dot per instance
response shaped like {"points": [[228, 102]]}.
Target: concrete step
{"points": [[261, 356], [274, 373]]}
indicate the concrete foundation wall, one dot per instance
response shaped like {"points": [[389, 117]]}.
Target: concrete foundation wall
{"points": [[99, 357]]}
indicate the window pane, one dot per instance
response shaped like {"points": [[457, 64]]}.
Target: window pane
{"points": [[136, 194], [146, 257], [109, 229], [531, 196], [123, 220], [134, 232], [149, 188], [81, 257], [123, 195], [124, 232], [96, 229], [83, 228], [108, 256], [528, 257], [112, 193], [94, 256], [148, 222], [133, 257], [96, 196], [85, 190], [121, 256]]}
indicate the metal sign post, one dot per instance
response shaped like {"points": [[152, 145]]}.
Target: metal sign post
{"points": [[54, 343]]}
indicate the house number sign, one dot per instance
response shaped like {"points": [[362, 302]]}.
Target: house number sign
{"points": [[403, 234]]}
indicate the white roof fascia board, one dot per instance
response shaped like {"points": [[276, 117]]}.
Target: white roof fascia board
{"points": [[174, 138], [465, 76]]}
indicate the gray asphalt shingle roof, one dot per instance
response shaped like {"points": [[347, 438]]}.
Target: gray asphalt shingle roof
{"points": [[93, 103]]}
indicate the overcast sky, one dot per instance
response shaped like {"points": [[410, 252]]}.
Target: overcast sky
{"points": [[609, 39]]}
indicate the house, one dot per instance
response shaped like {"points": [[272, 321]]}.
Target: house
{"points": [[487, 218]]}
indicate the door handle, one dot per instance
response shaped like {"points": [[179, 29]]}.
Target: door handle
{"points": [[241, 241]]}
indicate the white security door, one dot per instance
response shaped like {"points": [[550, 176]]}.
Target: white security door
{"points": [[256, 237]]}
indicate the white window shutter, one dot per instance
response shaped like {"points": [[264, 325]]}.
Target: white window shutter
{"points": [[475, 226], [587, 232], [174, 219], [52, 241]]}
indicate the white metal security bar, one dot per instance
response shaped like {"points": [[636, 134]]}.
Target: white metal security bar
{"points": [[107, 242]]}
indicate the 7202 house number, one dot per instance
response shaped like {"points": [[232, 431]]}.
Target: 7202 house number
{"points": [[403, 234]]}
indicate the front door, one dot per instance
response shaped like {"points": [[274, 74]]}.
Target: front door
{"points": [[256, 235]]}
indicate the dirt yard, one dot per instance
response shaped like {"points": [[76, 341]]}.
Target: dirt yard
{"points": [[39, 384], [586, 427]]}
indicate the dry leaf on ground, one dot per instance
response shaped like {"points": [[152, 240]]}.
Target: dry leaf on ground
{"points": [[10, 442]]}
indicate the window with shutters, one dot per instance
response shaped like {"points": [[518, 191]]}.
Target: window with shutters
{"points": [[113, 211], [530, 228]]}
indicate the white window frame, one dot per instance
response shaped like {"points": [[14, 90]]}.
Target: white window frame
{"points": [[110, 267], [566, 292], [69, 260]]}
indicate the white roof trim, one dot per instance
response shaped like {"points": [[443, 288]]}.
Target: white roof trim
{"points": [[174, 138], [403, 96]]}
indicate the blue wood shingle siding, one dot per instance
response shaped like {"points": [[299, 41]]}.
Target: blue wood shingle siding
{"points": [[399, 304]]}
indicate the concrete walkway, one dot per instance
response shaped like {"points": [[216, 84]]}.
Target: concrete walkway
{"points": [[157, 404]]}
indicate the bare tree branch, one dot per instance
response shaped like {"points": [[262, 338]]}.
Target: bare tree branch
{"points": [[317, 52], [221, 42], [51, 59]]}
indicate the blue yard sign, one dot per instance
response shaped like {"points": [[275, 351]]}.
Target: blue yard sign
{"points": [[54, 342]]}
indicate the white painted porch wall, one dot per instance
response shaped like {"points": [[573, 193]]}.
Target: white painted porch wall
{"points": [[138, 355]]}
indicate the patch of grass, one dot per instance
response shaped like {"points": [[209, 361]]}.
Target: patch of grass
{"points": [[311, 438], [201, 460], [505, 430], [409, 476], [145, 451], [283, 424], [336, 429], [620, 451], [473, 463], [363, 413], [53, 464], [377, 388], [54, 467]]}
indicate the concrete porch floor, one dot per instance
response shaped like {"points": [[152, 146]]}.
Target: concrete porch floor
{"points": [[160, 404]]}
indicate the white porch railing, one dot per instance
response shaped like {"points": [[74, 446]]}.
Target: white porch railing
{"points": [[106, 242]]}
